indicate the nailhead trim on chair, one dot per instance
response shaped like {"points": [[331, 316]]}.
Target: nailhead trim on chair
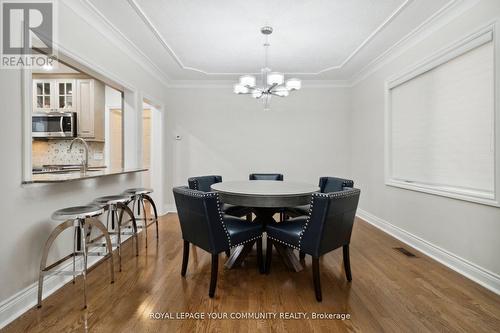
{"points": [[285, 243], [336, 195], [199, 194], [221, 217], [348, 183], [247, 241]]}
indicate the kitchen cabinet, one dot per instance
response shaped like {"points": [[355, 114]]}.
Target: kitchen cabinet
{"points": [[53, 95], [90, 100]]}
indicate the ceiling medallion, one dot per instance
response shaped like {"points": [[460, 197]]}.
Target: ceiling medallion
{"points": [[273, 83]]}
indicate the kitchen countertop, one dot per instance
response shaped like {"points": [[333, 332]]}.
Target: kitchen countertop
{"points": [[76, 175]]}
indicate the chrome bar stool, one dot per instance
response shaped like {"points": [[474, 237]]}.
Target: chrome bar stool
{"points": [[138, 196], [112, 204], [81, 218]]}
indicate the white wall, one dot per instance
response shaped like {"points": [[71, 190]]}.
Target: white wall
{"points": [[303, 136], [465, 230], [26, 209]]}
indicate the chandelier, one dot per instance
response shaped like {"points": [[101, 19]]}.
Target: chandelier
{"points": [[273, 83]]}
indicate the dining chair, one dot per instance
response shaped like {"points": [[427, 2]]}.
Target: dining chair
{"points": [[203, 224], [326, 185], [327, 227], [267, 176], [203, 183]]}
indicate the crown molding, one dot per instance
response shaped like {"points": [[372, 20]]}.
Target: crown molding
{"points": [[449, 12], [228, 84], [115, 36], [143, 16]]}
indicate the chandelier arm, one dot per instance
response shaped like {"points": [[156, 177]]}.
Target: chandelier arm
{"points": [[269, 90]]}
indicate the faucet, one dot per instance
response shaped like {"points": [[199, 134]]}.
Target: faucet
{"points": [[85, 163]]}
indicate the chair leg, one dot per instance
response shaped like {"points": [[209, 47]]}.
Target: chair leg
{"points": [[228, 253], [145, 218], [185, 258], [98, 224], [84, 270], [302, 255], [74, 254], [43, 262], [150, 200], [119, 237], [213, 275], [259, 256], [126, 209], [347, 262], [269, 254], [316, 279]]}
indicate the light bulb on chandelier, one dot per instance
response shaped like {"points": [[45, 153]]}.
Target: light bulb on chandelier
{"points": [[272, 83]]}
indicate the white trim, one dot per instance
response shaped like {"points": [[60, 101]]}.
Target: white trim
{"points": [[189, 84], [170, 208], [480, 275], [14, 306], [111, 34], [27, 140], [157, 154], [370, 37], [461, 47], [143, 16], [470, 42], [446, 14]]}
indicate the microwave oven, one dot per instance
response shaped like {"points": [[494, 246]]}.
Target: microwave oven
{"points": [[53, 124]]}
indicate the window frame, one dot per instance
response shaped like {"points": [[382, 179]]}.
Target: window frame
{"points": [[470, 42]]}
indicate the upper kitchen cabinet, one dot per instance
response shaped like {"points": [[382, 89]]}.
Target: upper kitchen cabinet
{"points": [[90, 109], [53, 95]]}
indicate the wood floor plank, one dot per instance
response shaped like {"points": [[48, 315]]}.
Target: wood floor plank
{"points": [[390, 292]]}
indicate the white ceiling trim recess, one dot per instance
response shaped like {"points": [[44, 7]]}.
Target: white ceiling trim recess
{"points": [[449, 12], [144, 17], [152, 68]]}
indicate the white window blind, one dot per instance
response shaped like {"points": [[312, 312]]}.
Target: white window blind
{"points": [[441, 126]]}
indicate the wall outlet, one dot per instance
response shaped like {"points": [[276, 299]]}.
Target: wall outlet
{"points": [[98, 156]]}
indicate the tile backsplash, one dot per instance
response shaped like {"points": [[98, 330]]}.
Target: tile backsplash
{"points": [[45, 152]]}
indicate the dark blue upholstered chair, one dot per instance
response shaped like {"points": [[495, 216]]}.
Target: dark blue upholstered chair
{"points": [[327, 227], [326, 185], [204, 225]]}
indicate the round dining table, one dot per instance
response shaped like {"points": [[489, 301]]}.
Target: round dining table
{"points": [[266, 198]]}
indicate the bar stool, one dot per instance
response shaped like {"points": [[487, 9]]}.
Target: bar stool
{"points": [[138, 196], [112, 204], [81, 218]]}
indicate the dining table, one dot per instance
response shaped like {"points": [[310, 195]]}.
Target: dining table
{"points": [[265, 198]]}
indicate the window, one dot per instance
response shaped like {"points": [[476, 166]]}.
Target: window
{"points": [[440, 135]]}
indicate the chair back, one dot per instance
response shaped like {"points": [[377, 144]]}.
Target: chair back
{"points": [[333, 184], [201, 219], [203, 183], [266, 176], [330, 222]]}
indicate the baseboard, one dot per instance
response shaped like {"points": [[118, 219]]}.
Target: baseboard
{"points": [[170, 208], [482, 276], [19, 303]]}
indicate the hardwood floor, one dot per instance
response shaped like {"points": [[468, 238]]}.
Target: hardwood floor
{"points": [[390, 292]]}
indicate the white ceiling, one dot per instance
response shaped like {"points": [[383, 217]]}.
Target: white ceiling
{"points": [[313, 39]]}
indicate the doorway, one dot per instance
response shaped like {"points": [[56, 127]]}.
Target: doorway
{"points": [[152, 151]]}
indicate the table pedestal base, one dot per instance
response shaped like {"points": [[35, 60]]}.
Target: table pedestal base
{"points": [[264, 216]]}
